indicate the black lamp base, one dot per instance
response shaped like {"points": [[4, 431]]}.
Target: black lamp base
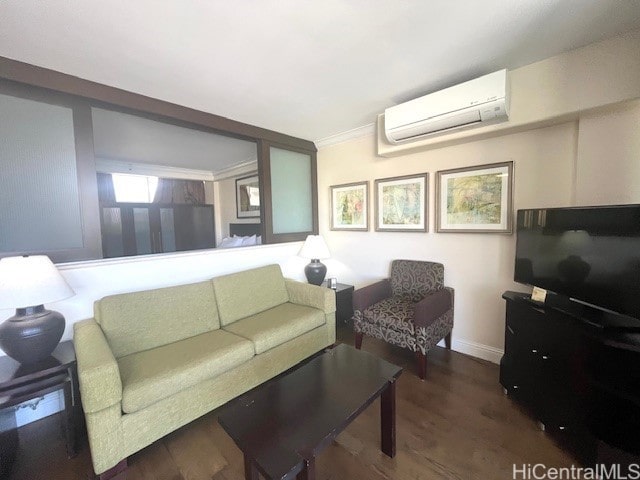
{"points": [[32, 334], [315, 272]]}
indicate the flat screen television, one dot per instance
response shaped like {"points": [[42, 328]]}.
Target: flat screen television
{"points": [[589, 254]]}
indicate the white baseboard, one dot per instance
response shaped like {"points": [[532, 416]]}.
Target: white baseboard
{"points": [[51, 403], [478, 350]]}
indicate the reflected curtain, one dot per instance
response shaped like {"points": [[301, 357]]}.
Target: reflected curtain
{"points": [[179, 191], [106, 193], [164, 191]]}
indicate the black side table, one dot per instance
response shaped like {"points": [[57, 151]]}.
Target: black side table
{"points": [[19, 383], [344, 302]]}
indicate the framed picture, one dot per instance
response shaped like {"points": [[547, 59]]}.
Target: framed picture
{"points": [[248, 197], [350, 206], [401, 203], [475, 199]]}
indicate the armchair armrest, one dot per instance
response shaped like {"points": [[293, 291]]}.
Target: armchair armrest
{"points": [[314, 296], [98, 372], [364, 297], [433, 306]]}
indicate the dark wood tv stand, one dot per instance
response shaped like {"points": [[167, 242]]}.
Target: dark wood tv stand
{"points": [[579, 379]]}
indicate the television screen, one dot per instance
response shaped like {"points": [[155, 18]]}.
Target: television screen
{"points": [[591, 254]]}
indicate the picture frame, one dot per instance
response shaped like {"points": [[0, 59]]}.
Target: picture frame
{"points": [[350, 206], [401, 203], [248, 197], [476, 199]]}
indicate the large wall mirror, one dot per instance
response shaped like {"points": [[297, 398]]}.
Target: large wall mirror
{"points": [[83, 179], [166, 188]]}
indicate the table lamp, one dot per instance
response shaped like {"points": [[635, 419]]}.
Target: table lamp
{"points": [[315, 248], [26, 284]]}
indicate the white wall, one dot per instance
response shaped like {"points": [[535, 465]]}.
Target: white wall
{"points": [[609, 153], [479, 266], [592, 161]]}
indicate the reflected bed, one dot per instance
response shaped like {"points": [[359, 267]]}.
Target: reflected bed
{"points": [[242, 235]]}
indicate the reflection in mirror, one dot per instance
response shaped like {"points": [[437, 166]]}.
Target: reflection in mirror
{"points": [[248, 197], [166, 188]]}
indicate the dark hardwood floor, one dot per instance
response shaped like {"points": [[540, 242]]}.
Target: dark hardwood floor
{"points": [[455, 425]]}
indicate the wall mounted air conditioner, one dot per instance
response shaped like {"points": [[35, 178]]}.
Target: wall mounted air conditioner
{"points": [[474, 102]]}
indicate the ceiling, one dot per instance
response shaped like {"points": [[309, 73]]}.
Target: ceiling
{"points": [[310, 69]]}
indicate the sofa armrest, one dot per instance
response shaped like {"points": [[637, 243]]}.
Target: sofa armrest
{"points": [[433, 306], [364, 297], [98, 372], [314, 296]]}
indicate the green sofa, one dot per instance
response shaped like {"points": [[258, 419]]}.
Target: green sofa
{"points": [[152, 361]]}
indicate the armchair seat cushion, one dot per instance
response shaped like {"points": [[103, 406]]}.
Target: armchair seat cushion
{"points": [[151, 375], [394, 313], [277, 325]]}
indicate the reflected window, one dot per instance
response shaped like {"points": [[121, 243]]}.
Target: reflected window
{"points": [[134, 188]]}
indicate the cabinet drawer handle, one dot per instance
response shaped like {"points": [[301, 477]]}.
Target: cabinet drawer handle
{"points": [[545, 357], [515, 387], [510, 330], [534, 351]]}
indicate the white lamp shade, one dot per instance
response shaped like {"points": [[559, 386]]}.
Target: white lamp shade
{"points": [[314, 247], [30, 281]]}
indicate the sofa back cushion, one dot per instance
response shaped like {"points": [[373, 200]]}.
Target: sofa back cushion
{"points": [[137, 321], [242, 294]]}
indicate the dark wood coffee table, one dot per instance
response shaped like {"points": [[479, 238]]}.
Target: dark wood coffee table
{"points": [[284, 424]]}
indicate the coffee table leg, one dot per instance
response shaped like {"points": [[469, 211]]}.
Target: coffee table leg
{"points": [[250, 471], [388, 420], [309, 470]]}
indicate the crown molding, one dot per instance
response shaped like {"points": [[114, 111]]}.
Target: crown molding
{"points": [[108, 165], [250, 166], [362, 131]]}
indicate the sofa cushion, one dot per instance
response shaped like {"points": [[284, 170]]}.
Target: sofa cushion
{"points": [[152, 375], [277, 325], [138, 321], [243, 294]]}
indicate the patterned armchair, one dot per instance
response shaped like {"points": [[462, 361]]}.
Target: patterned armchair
{"points": [[411, 309]]}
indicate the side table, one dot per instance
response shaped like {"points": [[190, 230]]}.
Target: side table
{"points": [[19, 383], [344, 302]]}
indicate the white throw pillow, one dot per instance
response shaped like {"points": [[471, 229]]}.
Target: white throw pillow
{"points": [[230, 242], [248, 241]]}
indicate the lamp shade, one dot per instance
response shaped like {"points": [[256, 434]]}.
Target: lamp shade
{"points": [[31, 280], [314, 247]]}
